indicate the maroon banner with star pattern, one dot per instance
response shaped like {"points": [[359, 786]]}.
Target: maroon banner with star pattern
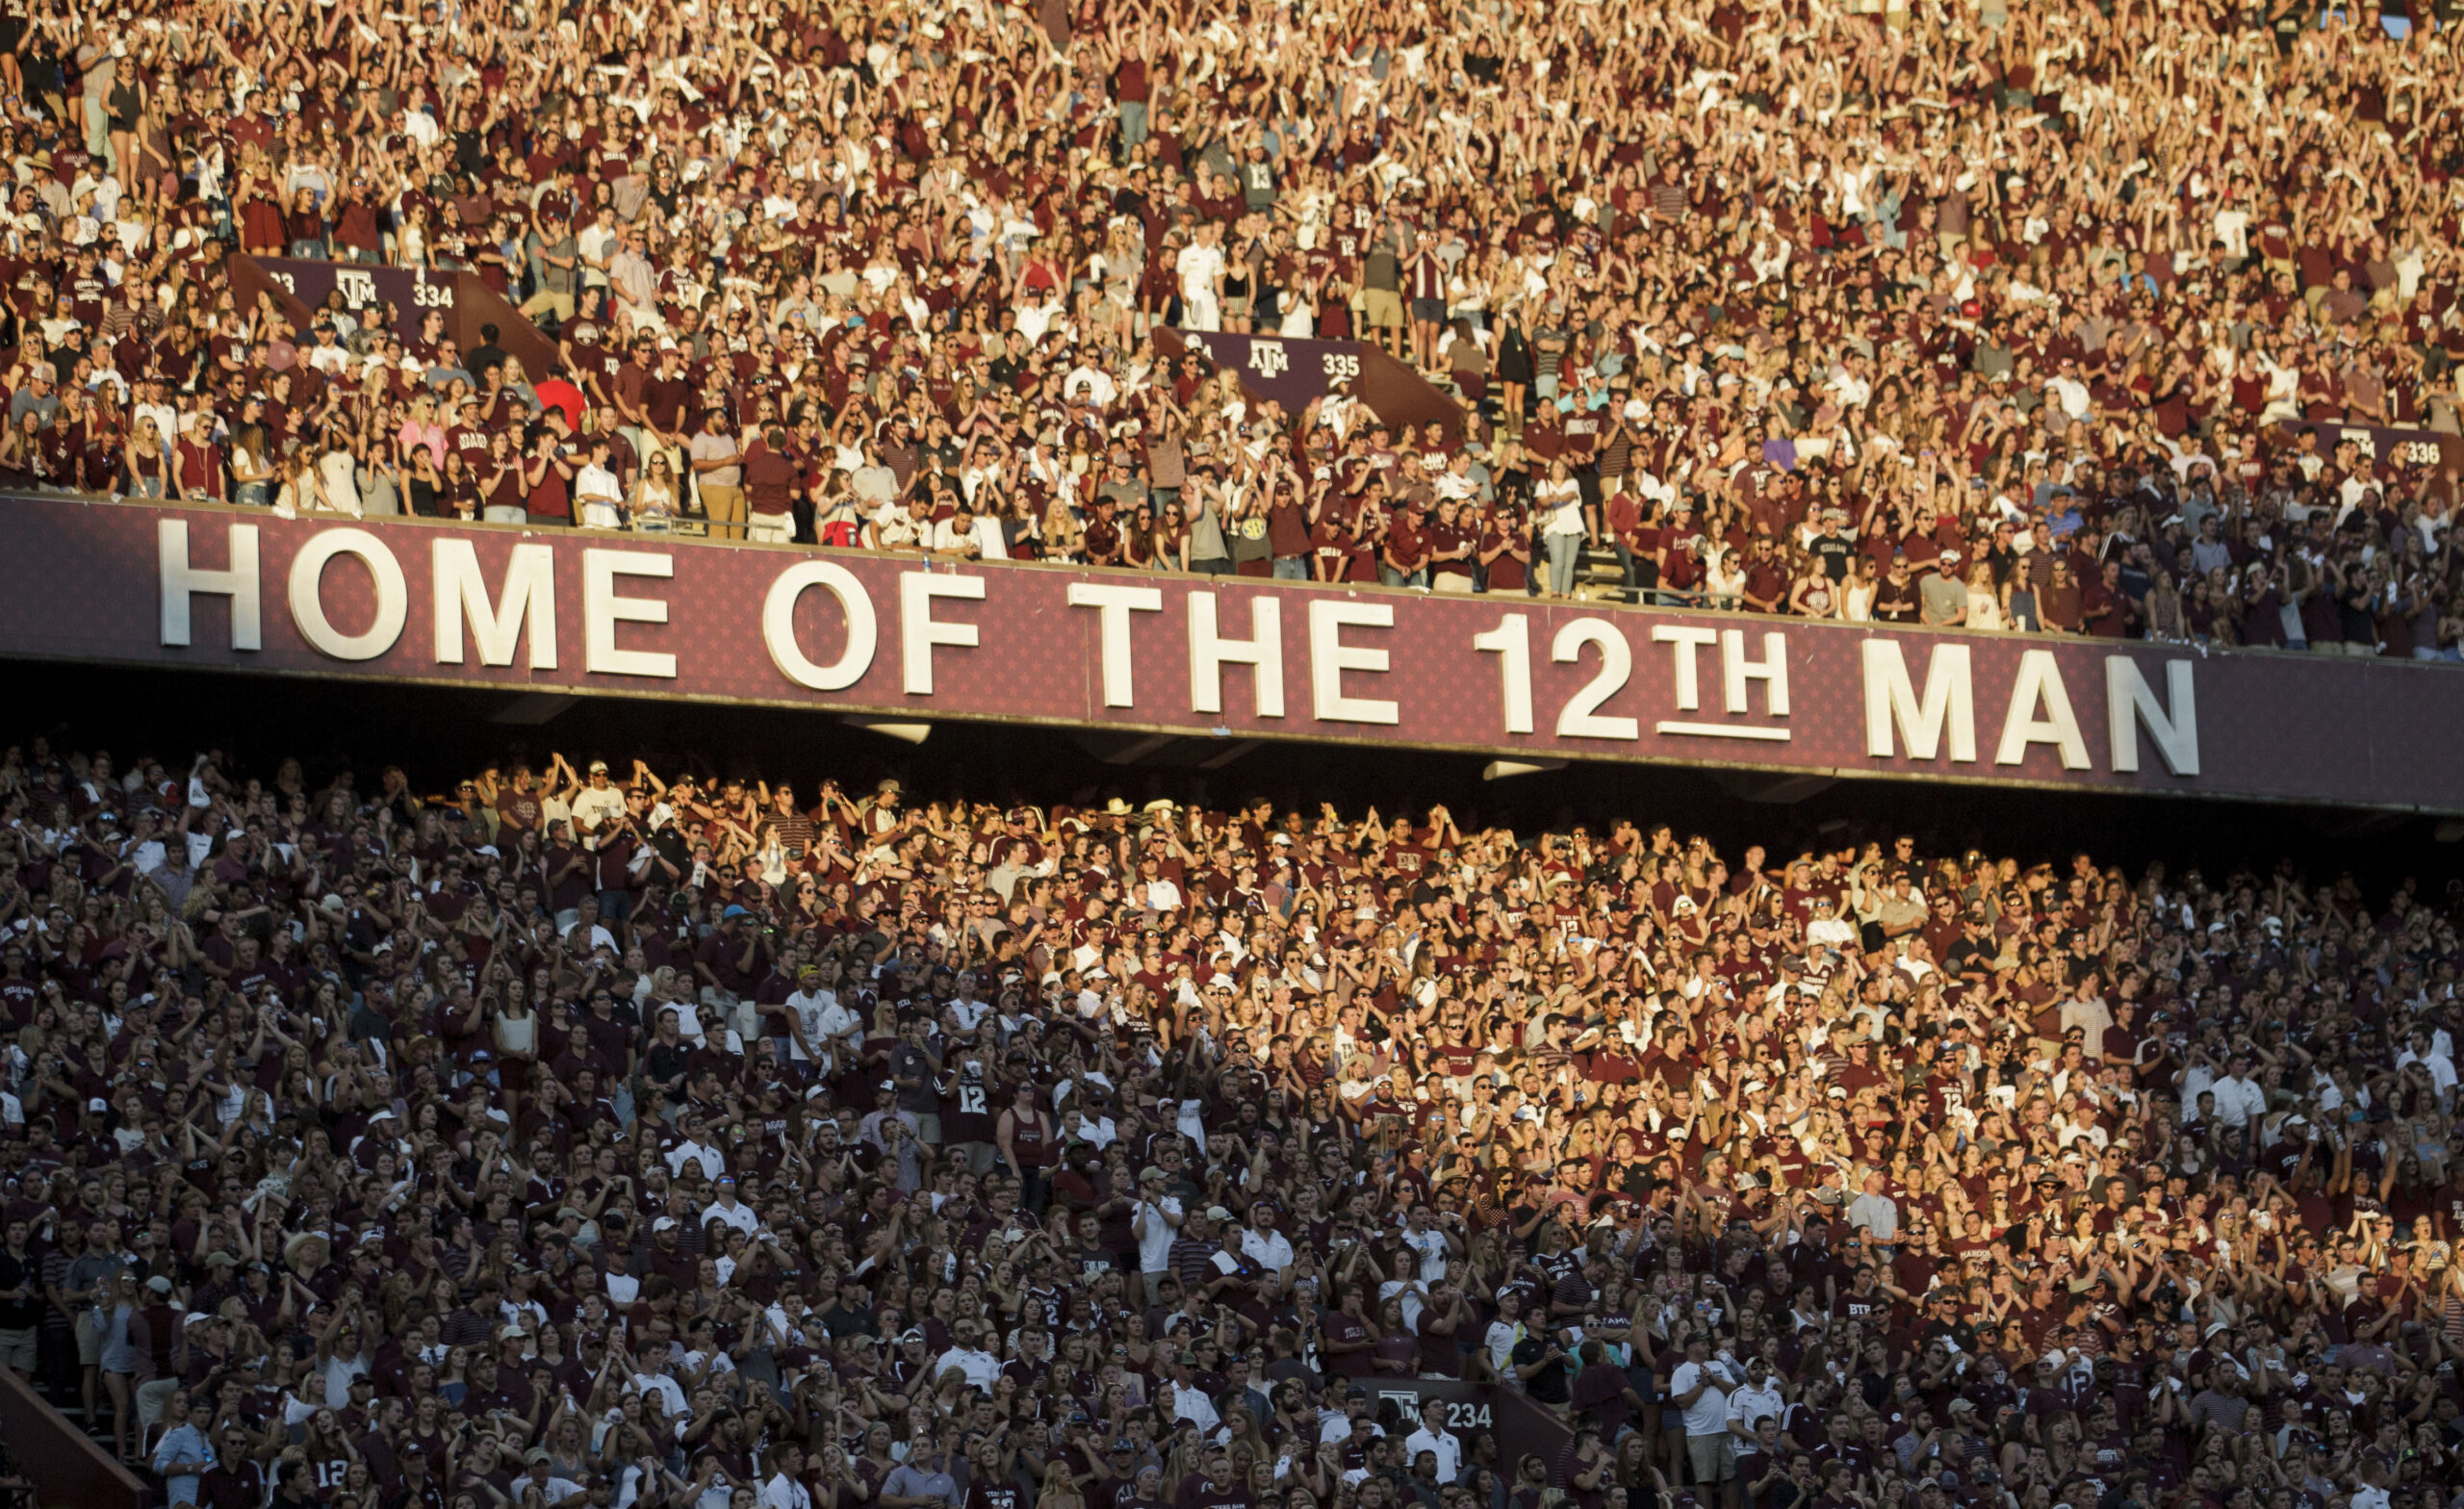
{"points": [[1506, 675]]}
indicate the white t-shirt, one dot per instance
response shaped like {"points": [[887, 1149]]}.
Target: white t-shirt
{"points": [[822, 1018], [1154, 1233], [1430, 1244], [594, 242], [1708, 1414], [594, 805], [1499, 1341]]}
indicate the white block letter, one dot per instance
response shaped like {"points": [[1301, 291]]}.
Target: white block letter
{"points": [[919, 631], [308, 603], [1889, 699], [1687, 638], [2129, 701], [1329, 657], [238, 582], [528, 599], [1511, 643], [2038, 685], [1113, 604], [778, 626], [1772, 670], [602, 611], [1262, 652], [1580, 718]]}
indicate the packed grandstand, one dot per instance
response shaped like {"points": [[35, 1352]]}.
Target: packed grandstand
{"points": [[600, 1136], [2125, 320]]}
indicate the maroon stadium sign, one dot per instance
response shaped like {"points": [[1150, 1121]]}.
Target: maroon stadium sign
{"points": [[1508, 676]]}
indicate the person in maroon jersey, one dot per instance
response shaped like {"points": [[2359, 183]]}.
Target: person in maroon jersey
{"points": [[1029, 1145]]}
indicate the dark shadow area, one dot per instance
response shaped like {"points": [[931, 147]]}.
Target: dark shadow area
{"points": [[440, 735]]}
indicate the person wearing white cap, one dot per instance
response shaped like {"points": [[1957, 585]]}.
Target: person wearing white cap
{"points": [[187, 1449], [1942, 596], [599, 802], [1154, 1222]]}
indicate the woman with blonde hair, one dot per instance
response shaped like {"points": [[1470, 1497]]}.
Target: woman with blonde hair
{"points": [[655, 503], [299, 490], [252, 473], [146, 460], [1059, 1488], [1063, 538], [1984, 602]]}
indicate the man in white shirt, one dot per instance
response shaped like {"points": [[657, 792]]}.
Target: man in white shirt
{"points": [[146, 851], [555, 1493], [1154, 1222], [1187, 1400], [2068, 394], [328, 355], [2088, 1011], [1829, 929], [968, 535], [596, 244], [1155, 890], [714, 1161], [598, 803], [166, 419], [731, 1209], [2420, 1047], [782, 1491], [598, 497], [2198, 1078], [623, 1288], [980, 1367], [1435, 1438], [816, 1021], [1200, 266], [967, 1008], [1756, 1399], [1433, 1245], [1505, 1333], [2239, 1098], [1700, 1387], [1096, 384], [1266, 1247], [1874, 1213]]}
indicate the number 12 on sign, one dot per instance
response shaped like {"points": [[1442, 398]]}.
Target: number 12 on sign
{"points": [[1580, 718]]}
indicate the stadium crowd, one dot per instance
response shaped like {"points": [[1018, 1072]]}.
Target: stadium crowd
{"points": [[1951, 312], [588, 1139]]}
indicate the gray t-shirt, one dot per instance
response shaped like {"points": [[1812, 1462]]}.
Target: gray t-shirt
{"points": [[24, 400], [1206, 535], [552, 278], [708, 446], [907, 1480], [1944, 596], [95, 1271]]}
